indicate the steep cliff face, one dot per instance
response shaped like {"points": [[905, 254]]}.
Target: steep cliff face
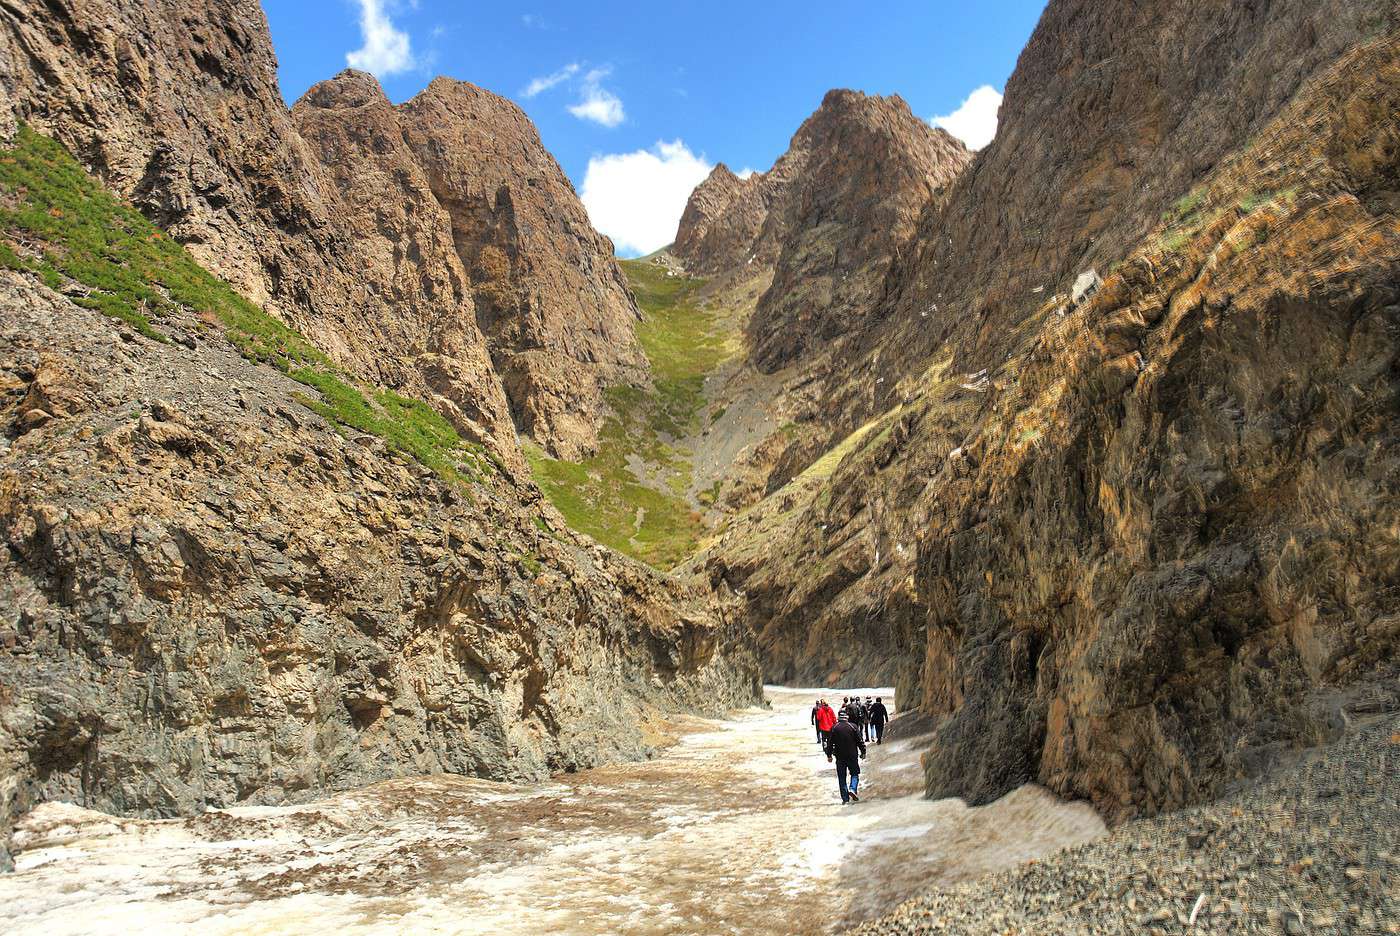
{"points": [[865, 168], [176, 107], [1149, 547], [719, 229], [1114, 111], [549, 294], [402, 240]]}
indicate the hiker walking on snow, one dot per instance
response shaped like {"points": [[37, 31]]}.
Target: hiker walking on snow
{"points": [[844, 745], [879, 717], [826, 720], [856, 711]]}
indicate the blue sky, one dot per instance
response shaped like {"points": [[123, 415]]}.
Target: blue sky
{"points": [[637, 100]]}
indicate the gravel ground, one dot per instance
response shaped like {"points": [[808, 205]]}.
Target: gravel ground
{"points": [[1314, 849]]}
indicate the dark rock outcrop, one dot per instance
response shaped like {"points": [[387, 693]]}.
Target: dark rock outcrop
{"points": [[720, 228], [1113, 113]]}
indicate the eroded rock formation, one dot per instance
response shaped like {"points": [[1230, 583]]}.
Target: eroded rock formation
{"points": [[813, 239], [211, 596], [549, 294], [828, 219]]}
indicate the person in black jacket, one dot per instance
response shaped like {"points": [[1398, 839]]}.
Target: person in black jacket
{"points": [[844, 745], [855, 709], [879, 717], [816, 710]]}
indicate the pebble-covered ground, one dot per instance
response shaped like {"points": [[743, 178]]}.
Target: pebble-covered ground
{"points": [[1315, 849]]}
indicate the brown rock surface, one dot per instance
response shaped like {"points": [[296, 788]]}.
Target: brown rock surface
{"points": [[815, 236], [549, 294], [862, 168], [403, 242], [829, 218], [1113, 113], [720, 228], [1151, 547]]}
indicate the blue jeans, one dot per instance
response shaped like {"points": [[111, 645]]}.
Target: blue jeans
{"points": [[842, 768]]}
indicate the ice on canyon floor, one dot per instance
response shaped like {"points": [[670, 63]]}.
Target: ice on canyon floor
{"points": [[737, 827]]}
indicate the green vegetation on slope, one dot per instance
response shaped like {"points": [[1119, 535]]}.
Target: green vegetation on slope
{"points": [[649, 517], [61, 224]]}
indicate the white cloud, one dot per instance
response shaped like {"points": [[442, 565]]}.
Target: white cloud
{"points": [[545, 82], [745, 172], [386, 49], [975, 120], [598, 104], [637, 198]]}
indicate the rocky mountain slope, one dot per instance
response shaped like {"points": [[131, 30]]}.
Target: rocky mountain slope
{"points": [[828, 220], [475, 235], [549, 295], [800, 255], [1133, 540], [254, 550]]}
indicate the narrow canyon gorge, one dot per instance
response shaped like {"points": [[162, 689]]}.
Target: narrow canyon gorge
{"points": [[383, 553]]}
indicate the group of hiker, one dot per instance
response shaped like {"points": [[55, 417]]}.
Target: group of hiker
{"points": [[842, 735]]}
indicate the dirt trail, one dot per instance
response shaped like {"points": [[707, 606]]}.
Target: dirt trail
{"points": [[735, 829]]}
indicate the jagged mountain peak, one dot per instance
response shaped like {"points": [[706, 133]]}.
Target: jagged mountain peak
{"points": [[349, 88], [826, 220]]}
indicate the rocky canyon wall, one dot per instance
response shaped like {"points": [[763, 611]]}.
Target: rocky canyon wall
{"points": [[1132, 544]]}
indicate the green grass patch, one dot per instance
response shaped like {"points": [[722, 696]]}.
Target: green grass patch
{"points": [[60, 224], [859, 440], [1251, 203], [1184, 207], [650, 516]]}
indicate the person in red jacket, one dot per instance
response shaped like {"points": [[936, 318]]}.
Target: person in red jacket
{"points": [[826, 720]]}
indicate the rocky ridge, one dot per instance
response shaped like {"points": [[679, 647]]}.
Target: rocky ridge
{"points": [[549, 295], [803, 251], [828, 219]]}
